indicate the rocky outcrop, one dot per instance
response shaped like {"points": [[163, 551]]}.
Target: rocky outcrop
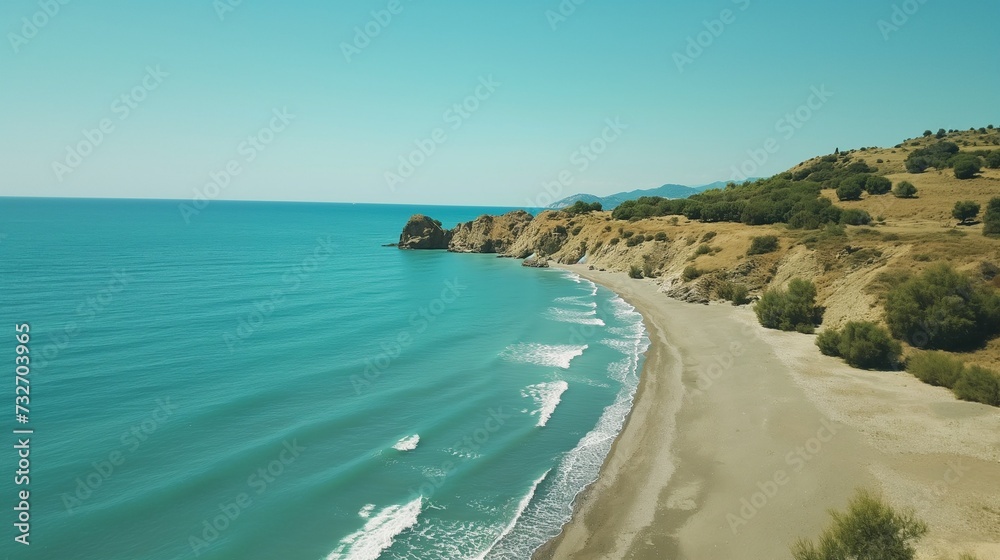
{"points": [[536, 262], [696, 293], [422, 232], [489, 234]]}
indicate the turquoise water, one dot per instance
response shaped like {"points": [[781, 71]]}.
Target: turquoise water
{"points": [[268, 381]]}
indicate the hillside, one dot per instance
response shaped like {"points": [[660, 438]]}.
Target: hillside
{"points": [[852, 266], [611, 201]]}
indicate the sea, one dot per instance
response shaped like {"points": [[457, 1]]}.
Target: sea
{"points": [[250, 380]]}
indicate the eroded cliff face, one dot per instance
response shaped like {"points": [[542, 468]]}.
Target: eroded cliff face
{"points": [[490, 234]]}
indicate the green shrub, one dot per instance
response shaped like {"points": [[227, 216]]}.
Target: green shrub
{"points": [[793, 309], [876, 185], [965, 211], [991, 219], [765, 201], [829, 342], [647, 269], [935, 368], [634, 240], [581, 207], [869, 530], [978, 385], [966, 167], [702, 249], [851, 188], [993, 160], [691, 272], [940, 133], [762, 245], [855, 217], [862, 344], [708, 236], [614, 241], [736, 293], [660, 236], [866, 345], [917, 164], [904, 189], [942, 309], [634, 272]]}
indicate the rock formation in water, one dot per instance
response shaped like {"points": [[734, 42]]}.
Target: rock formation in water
{"points": [[422, 232]]}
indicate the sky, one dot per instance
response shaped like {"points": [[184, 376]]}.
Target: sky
{"points": [[513, 103]]}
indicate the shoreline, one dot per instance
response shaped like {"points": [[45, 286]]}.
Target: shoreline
{"points": [[740, 439]]}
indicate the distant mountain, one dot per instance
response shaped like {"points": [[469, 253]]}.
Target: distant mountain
{"points": [[611, 201]]}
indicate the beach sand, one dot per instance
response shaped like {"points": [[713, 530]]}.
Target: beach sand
{"points": [[740, 439]]}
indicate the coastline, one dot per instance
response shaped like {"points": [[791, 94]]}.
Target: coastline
{"points": [[740, 439]]}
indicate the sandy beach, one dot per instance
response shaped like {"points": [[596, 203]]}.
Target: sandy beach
{"points": [[740, 439]]}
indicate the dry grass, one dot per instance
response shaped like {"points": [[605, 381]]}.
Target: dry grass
{"points": [[850, 270]]}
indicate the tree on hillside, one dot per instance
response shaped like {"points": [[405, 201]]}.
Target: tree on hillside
{"points": [[943, 309], [991, 219], [928, 133], [917, 164], [993, 160], [941, 133], [905, 189], [852, 187], [966, 211], [876, 184], [966, 167]]}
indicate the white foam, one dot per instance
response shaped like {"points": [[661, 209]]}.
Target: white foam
{"points": [[579, 280], [551, 355], [578, 468], [521, 506], [574, 316], [582, 301], [378, 533], [547, 396], [366, 511], [408, 443], [572, 276]]}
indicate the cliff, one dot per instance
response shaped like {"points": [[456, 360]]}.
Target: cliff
{"points": [[489, 234]]}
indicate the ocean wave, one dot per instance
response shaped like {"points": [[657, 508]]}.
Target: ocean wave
{"points": [[582, 301], [552, 507], [547, 396], [624, 310], [521, 506], [366, 511], [574, 316], [581, 280], [378, 533], [572, 276], [409, 443], [551, 355]]}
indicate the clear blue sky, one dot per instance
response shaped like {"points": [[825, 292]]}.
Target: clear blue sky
{"points": [[560, 80]]}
